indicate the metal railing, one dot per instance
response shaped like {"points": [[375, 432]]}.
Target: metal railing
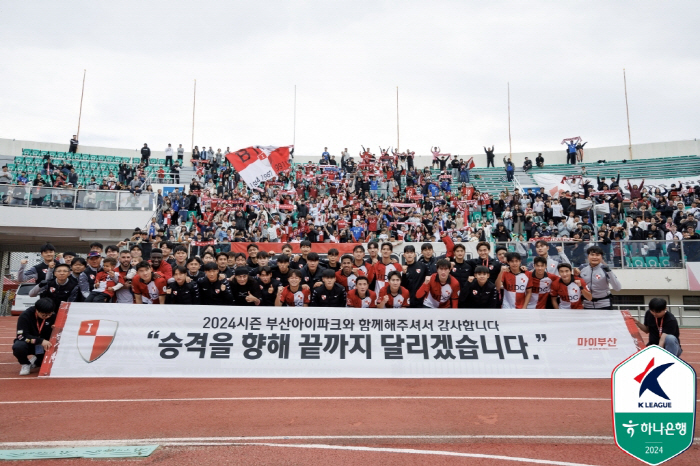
{"points": [[653, 254], [75, 199], [687, 316]]}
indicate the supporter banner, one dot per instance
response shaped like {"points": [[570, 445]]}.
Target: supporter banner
{"points": [[258, 164], [206, 341], [554, 184]]}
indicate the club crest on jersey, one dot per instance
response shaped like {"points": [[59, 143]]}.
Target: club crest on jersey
{"points": [[323, 297], [597, 277], [175, 293], [52, 290], [417, 270]]}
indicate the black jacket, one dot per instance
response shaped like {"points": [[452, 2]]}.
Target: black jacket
{"points": [[335, 297], [187, 293], [59, 293], [29, 325], [462, 272], [309, 278], [240, 292], [210, 294], [145, 152], [494, 267], [473, 296], [269, 292]]}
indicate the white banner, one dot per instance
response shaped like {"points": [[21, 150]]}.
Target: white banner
{"points": [[126, 340], [554, 184]]}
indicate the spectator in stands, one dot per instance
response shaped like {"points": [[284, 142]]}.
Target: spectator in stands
{"points": [[489, 156], [510, 169], [145, 154], [539, 160], [662, 327], [73, 146], [5, 176], [34, 327], [169, 155], [527, 165]]}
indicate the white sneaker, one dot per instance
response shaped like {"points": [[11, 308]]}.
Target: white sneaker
{"points": [[26, 368], [32, 360]]}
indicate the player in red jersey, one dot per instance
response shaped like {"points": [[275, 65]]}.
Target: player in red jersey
{"points": [[362, 296], [359, 262], [542, 283], [348, 275], [385, 266], [440, 290], [148, 287], [516, 284], [393, 294], [293, 294], [570, 289]]}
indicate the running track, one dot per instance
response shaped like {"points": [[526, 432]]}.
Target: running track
{"points": [[310, 421]]}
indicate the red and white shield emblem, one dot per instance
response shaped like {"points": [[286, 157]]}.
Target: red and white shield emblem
{"points": [[95, 338]]}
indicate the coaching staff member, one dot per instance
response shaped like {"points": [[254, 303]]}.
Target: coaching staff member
{"points": [[34, 328]]}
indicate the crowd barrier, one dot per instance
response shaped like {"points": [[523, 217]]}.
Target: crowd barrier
{"points": [[219, 342]]}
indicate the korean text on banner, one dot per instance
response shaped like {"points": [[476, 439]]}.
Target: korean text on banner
{"points": [[202, 341]]}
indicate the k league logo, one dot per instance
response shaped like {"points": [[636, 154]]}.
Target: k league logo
{"points": [[654, 404]]}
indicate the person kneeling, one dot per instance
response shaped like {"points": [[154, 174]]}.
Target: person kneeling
{"points": [[662, 327], [34, 328]]}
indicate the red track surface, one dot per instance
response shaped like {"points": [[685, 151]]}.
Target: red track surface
{"points": [[182, 424]]}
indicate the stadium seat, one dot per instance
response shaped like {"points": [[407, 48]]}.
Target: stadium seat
{"points": [[36, 153], [665, 262], [109, 159], [136, 160], [19, 160], [44, 153], [52, 154], [652, 261], [638, 261], [11, 167], [26, 152]]}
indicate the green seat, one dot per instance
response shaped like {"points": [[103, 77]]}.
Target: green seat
{"points": [[61, 154], [94, 166], [638, 261], [52, 154], [36, 153], [101, 158], [136, 160], [665, 262], [31, 170], [11, 167], [19, 160], [109, 158], [26, 152], [37, 161], [652, 261], [84, 165], [93, 157], [44, 153]]}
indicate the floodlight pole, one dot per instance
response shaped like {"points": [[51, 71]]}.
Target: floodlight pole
{"points": [[510, 143], [80, 114], [627, 107], [194, 103]]}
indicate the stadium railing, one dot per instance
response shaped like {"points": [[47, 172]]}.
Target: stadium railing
{"points": [[75, 199], [687, 316]]}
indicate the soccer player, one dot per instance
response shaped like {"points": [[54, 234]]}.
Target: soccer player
{"points": [[268, 285], [414, 274], [661, 326], [330, 293], [440, 290], [59, 288], [483, 248], [542, 283], [293, 294], [358, 254], [181, 291], [159, 266], [516, 285], [481, 292], [383, 268], [212, 290], [245, 289], [461, 269], [600, 279], [570, 289], [393, 294], [312, 272], [362, 296], [148, 287], [347, 275], [542, 248], [280, 272]]}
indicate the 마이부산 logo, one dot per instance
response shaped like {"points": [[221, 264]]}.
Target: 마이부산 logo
{"points": [[653, 404]]}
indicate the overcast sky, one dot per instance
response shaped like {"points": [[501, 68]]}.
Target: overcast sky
{"points": [[451, 60]]}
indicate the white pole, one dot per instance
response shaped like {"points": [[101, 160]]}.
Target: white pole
{"points": [[510, 143], [77, 135], [194, 103], [397, 120]]}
